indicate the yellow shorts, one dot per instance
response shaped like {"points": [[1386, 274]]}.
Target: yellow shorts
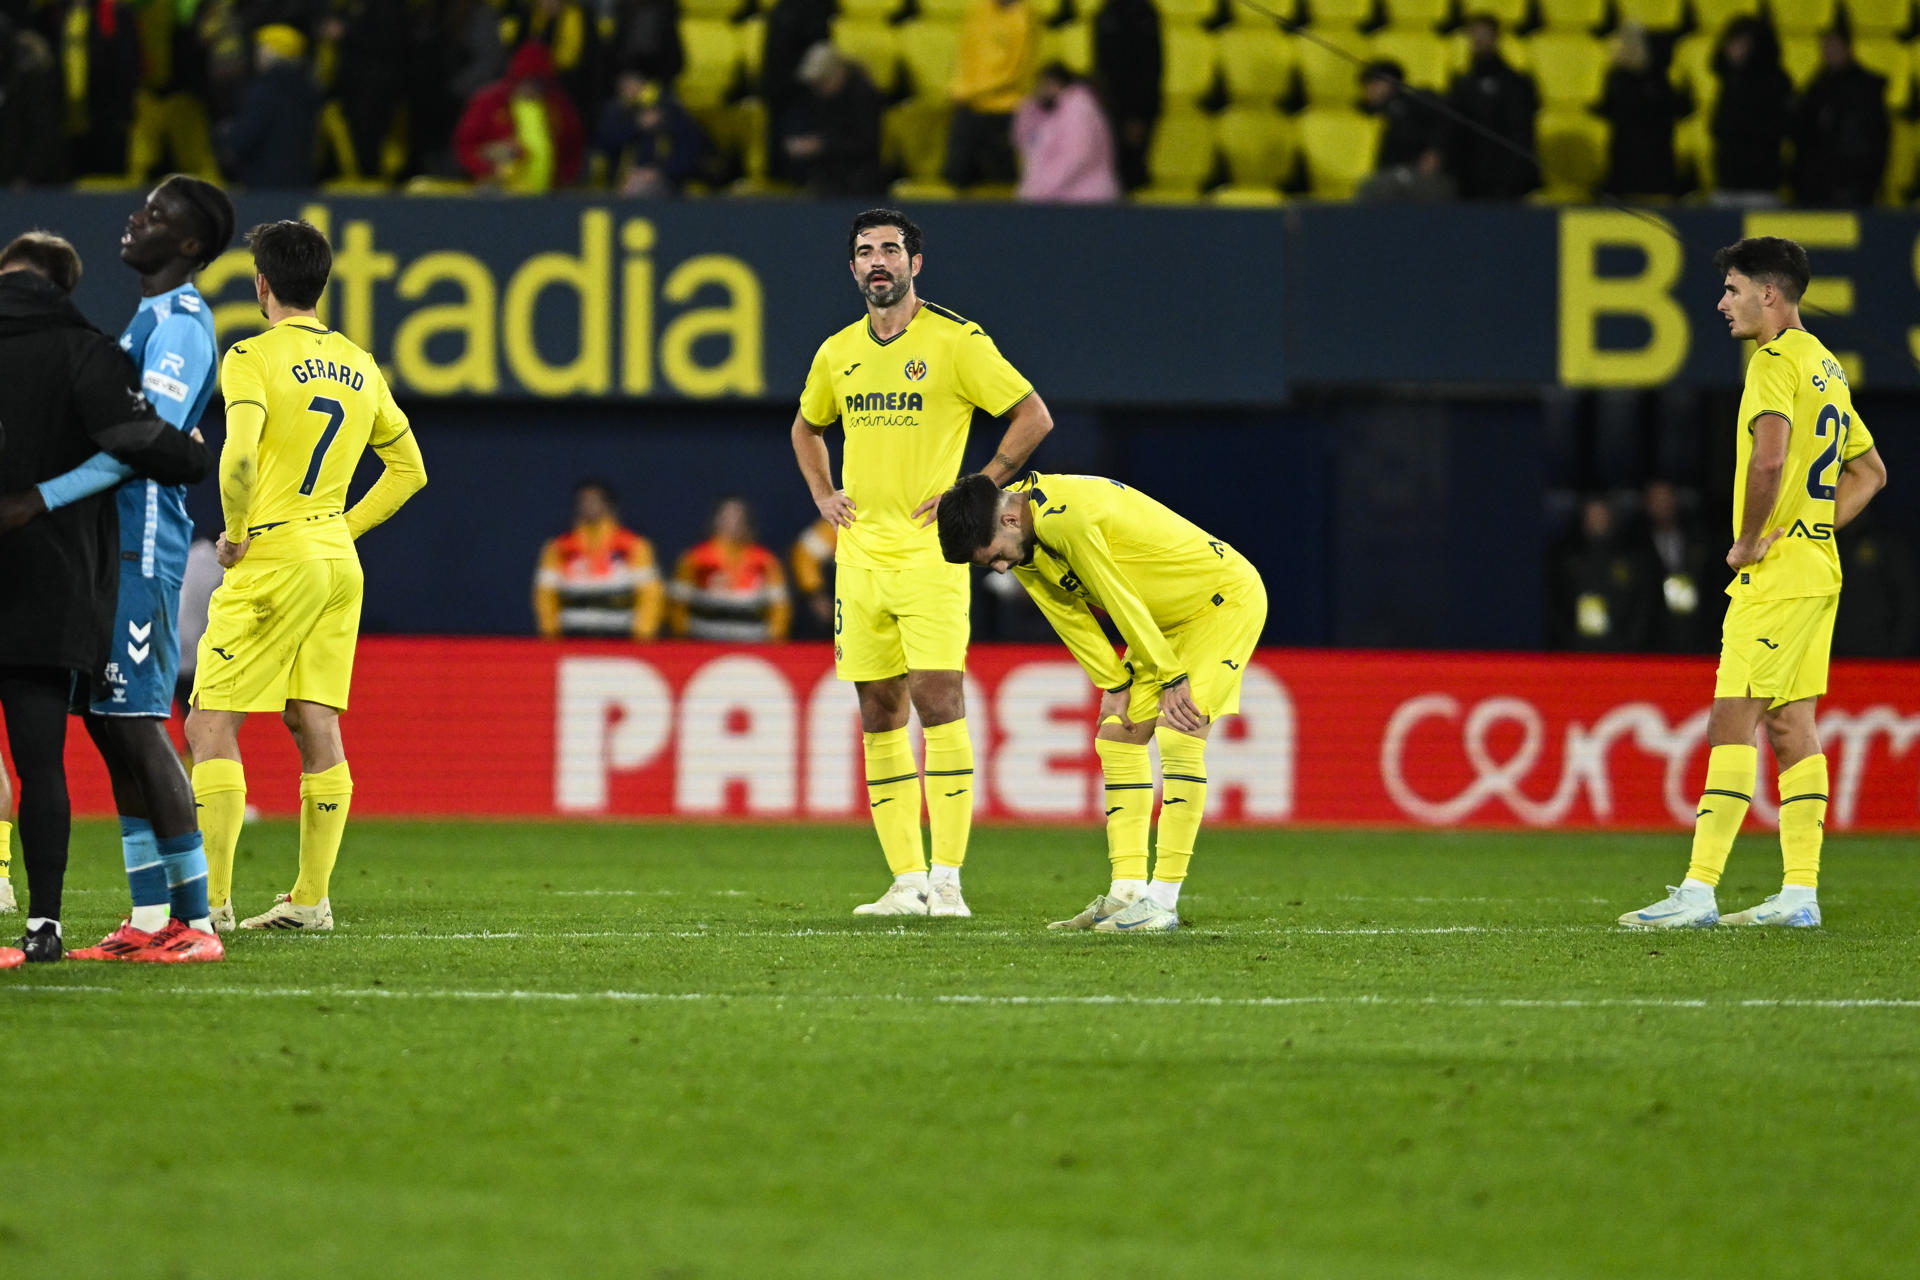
{"points": [[280, 632], [887, 622], [1214, 648], [1776, 649]]}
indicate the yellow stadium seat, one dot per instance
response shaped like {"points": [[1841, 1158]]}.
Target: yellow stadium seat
{"points": [[1421, 54], [722, 9], [873, 10], [713, 61], [946, 10], [1187, 66], [1800, 55], [1418, 15], [751, 36], [1339, 146], [1573, 153], [872, 45], [1693, 147], [1903, 160], [1459, 53], [1801, 17], [1512, 13], [1339, 15], [1258, 146], [1329, 79], [1710, 17], [913, 138], [1246, 197], [1570, 69], [1889, 58], [1878, 17], [1181, 159], [1255, 63], [1654, 15], [1183, 13], [1071, 45], [1572, 15], [928, 49], [1692, 69]]}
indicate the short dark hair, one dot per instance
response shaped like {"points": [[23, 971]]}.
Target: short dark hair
{"points": [[910, 238], [294, 257], [46, 254], [1768, 260], [212, 212], [602, 487], [967, 514], [1383, 69]]}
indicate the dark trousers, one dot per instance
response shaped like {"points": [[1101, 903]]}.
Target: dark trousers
{"points": [[980, 149], [34, 700]]}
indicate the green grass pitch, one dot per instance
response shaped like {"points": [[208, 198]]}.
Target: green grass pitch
{"points": [[668, 1051]]}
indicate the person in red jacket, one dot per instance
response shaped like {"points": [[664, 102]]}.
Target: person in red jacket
{"points": [[521, 132]]}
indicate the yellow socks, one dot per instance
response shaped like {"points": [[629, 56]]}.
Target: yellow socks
{"points": [[220, 788], [1183, 800], [1723, 807], [893, 792], [6, 850], [949, 791], [1803, 820], [324, 798], [1129, 806]]}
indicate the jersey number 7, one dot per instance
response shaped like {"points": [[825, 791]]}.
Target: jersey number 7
{"points": [[336, 414]]}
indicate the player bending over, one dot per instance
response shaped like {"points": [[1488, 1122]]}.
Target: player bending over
{"points": [[303, 404], [1805, 467], [1191, 610]]}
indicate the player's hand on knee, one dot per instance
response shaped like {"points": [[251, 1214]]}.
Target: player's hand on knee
{"points": [[1114, 706], [1178, 710]]}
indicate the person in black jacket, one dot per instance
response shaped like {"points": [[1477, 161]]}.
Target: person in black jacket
{"points": [[1127, 65], [269, 142], [66, 392], [1410, 165], [1750, 119], [1601, 589], [1491, 94], [833, 133], [793, 27], [1642, 106], [1840, 130]]}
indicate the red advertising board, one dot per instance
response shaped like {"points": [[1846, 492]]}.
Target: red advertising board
{"points": [[531, 729]]}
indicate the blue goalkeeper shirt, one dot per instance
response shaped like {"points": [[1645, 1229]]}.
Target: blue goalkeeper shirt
{"points": [[171, 340]]}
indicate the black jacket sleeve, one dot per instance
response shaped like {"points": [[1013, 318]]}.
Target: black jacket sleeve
{"points": [[116, 416]]}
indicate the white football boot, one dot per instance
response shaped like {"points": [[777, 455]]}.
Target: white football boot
{"points": [[222, 917], [285, 914], [902, 898], [1799, 912], [943, 899], [1682, 908], [7, 905], [1142, 915], [1099, 909]]}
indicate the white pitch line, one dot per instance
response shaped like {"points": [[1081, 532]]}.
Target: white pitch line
{"points": [[754, 997], [503, 935]]}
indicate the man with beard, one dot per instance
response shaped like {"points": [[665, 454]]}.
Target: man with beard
{"points": [[64, 392], [903, 383], [1191, 610], [183, 225]]}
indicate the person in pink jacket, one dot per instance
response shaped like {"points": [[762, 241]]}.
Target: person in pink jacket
{"points": [[1066, 149]]}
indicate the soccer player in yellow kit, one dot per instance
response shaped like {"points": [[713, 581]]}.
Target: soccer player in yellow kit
{"points": [[1806, 467], [303, 404], [903, 382], [1191, 610]]}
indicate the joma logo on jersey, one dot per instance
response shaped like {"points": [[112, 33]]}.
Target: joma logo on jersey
{"points": [[313, 367], [1817, 532], [888, 401], [916, 370]]}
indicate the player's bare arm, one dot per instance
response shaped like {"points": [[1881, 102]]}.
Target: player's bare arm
{"points": [[1027, 426], [810, 449], [1860, 479], [1770, 435]]}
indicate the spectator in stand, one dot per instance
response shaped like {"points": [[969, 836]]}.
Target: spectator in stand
{"points": [[1602, 590], [793, 27], [369, 42], [1127, 62], [1492, 94], [1841, 130], [646, 39], [652, 146], [832, 141], [992, 73], [563, 28], [1693, 569], [521, 133], [812, 563], [730, 587], [268, 144], [1066, 149], [1750, 119], [1411, 165], [1882, 617], [457, 52], [33, 150], [599, 578], [1642, 107]]}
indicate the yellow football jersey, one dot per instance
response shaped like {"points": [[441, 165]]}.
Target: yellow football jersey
{"points": [[1151, 569], [1797, 377], [904, 406], [325, 401]]}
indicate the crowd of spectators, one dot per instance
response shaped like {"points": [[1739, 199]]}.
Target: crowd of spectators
{"points": [[1055, 100]]}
